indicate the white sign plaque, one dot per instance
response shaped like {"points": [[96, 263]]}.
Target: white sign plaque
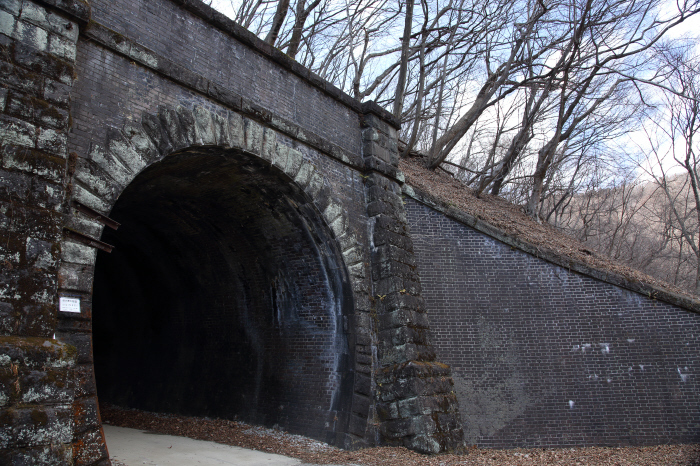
{"points": [[69, 305]]}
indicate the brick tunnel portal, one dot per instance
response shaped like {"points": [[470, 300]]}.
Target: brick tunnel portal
{"points": [[225, 296]]}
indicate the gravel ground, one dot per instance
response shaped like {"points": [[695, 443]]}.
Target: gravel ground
{"points": [[315, 452]]}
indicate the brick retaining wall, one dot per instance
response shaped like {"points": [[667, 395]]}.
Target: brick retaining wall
{"points": [[546, 357]]}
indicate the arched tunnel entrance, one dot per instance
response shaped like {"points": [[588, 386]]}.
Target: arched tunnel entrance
{"points": [[224, 297]]}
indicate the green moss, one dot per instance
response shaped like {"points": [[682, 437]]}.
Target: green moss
{"points": [[69, 352]]}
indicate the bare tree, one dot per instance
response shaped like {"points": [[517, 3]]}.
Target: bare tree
{"points": [[528, 99], [672, 152], [496, 78], [600, 52], [277, 21]]}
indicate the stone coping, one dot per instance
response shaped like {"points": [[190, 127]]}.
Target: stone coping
{"points": [[650, 291], [79, 10]]}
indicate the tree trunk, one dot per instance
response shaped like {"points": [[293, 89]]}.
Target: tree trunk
{"points": [[277, 22], [298, 29], [421, 83], [403, 67], [514, 150], [544, 159]]}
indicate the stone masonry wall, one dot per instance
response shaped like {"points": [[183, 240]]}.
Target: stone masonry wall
{"points": [[37, 59], [545, 357], [416, 403], [36, 393], [37, 56]]}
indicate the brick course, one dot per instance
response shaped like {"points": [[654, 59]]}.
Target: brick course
{"points": [[199, 47], [545, 357]]}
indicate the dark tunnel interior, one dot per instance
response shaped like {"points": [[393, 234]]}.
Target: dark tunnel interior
{"points": [[223, 297]]}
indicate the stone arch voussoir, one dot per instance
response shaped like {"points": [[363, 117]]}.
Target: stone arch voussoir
{"points": [[127, 151], [112, 164]]}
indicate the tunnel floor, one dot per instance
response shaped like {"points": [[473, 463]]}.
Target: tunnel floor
{"points": [[223, 297]]}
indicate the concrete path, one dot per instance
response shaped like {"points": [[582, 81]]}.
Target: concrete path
{"points": [[136, 448]]}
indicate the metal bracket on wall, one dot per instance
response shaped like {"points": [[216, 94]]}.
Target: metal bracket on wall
{"points": [[87, 240], [95, 215]]}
